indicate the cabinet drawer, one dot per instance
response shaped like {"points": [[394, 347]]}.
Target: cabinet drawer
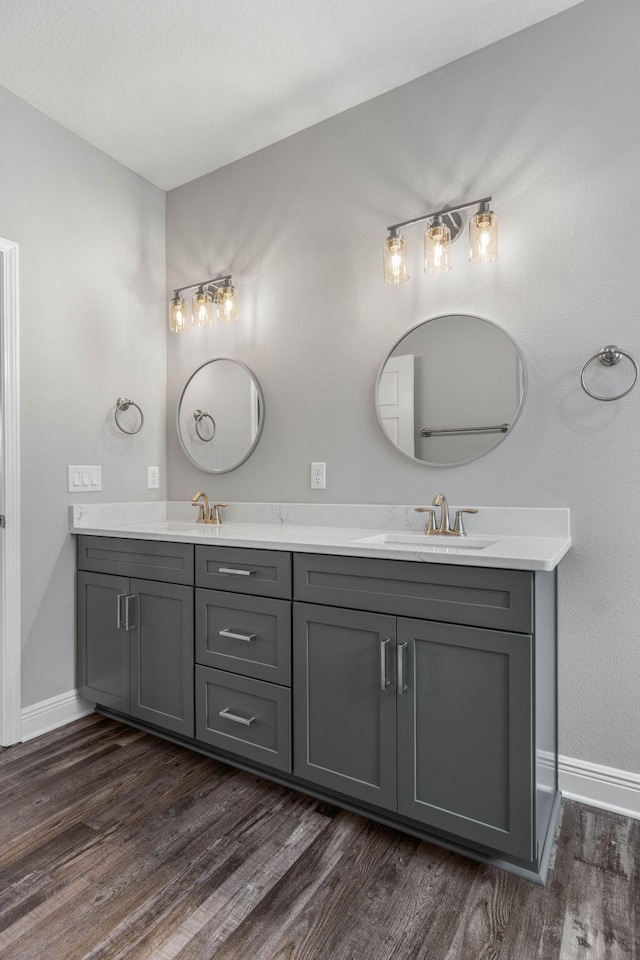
{"points": [[265, 573], [482, 597], [145, 559], [244, 716], [246, 635]]}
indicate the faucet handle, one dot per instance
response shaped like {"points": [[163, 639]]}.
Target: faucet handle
{"points": [[215, 512], [430, 527], [458, 526]]}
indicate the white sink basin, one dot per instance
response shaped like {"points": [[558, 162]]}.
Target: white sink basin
{"points": [[420, 540]]}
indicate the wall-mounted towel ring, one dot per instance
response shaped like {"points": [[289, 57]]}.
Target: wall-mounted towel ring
{"points": [[609, 357], [123, 404], [199, 416]]}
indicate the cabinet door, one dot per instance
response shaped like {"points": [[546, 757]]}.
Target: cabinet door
{"points": [[162, 655], [465, 733], [103, 645], [344, 721]]}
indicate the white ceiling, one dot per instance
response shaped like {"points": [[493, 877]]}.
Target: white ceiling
{"points": [[176, 89]]}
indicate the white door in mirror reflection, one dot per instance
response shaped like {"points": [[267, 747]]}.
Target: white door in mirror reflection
{"points": [[395, 402]]}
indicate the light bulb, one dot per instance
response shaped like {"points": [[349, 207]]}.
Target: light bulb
{"points": [[178, 315], [483, 236], [202, 308], [395, 259], [227, 304], [437, 240]]}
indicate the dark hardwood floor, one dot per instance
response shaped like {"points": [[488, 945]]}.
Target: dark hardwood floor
{"points": [[114, 845]]}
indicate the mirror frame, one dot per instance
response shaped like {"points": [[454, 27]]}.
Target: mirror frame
{"points": [[261, 411], [501, 438]]}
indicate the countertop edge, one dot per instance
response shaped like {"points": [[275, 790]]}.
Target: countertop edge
{"points": [[546, 559]]}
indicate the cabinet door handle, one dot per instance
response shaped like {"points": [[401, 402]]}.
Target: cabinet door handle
{"points": [[121, 597], [236, 636], [129, 620], [402, 686], [384, 681], [236, 719], [236, 573]]}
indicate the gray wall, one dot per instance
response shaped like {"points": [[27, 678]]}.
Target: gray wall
{"points": [[546, 121], [92, 318]]}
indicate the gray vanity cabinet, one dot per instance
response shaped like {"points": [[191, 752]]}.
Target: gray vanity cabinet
{"points": [[135, 636], [243, 653], [103, 646], [162, 659], [345, 716], [465, 762], [429, 711]]}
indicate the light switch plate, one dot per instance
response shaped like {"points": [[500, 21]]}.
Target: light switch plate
{"points": [[84, 479]]}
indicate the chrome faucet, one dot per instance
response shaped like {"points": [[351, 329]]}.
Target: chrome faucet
{"points": [[445, 529], [207, 512], [441, 501]]}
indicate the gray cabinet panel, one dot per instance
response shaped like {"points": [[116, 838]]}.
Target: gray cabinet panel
{"points": [[500, 599], [244, 716], [344, 722], [266, 573], [149, 559], [246, 635], [103, 647], [465, 754], [162, 657]]}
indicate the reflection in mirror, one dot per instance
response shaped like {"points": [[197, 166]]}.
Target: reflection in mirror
{"points": [[451, 389], [220, 415]]}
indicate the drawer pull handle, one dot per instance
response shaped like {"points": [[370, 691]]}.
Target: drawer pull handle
{"points": [[237, 573], [119, 624], [129, 621], [236, 636], [384, 681], [233, 716], [402, 685]]}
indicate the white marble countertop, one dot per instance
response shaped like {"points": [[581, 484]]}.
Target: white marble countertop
{"points": [[506, 548]]}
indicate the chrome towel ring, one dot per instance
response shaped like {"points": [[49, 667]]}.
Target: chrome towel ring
{"points": [[122, 404], [609, 357], [199, 416]]}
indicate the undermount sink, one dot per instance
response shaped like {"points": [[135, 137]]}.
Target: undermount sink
{"points": [[423, 540]]}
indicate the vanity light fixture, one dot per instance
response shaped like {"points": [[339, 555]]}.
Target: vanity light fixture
{"points": [[202, 308], [218, 291], [227, 302], [443, 229]]}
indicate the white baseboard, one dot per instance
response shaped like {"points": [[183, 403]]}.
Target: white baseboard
{"points": [[604, 787], [55, 712]]}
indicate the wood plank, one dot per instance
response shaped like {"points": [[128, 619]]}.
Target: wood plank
{"points": [[604, 840], [143, 932], [121, 846], [534, 931], [599, 916], [276, 921]]}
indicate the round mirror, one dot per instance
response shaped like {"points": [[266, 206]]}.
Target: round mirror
{"points": [[220, 415], [450, 390]]}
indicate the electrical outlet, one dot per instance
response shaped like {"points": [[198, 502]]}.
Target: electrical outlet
{"points": [[318, 476], [84, 479], [153, 478]]}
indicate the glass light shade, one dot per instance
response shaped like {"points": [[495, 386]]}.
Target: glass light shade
{"points": [[178, 315], [227, 303], [437, 241], [395, 259], [483, 237], [202, 309]]}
